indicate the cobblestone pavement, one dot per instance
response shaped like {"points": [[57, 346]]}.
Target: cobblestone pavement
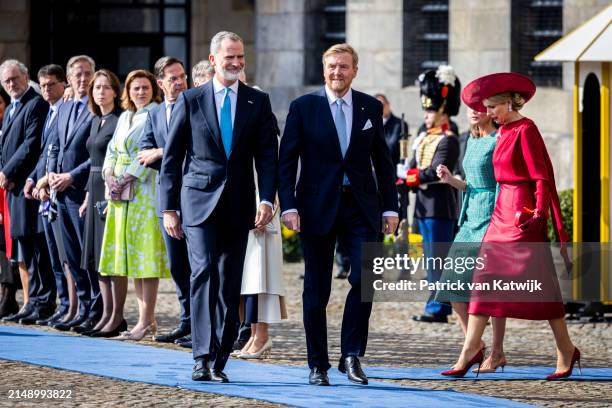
{"points": [[395, 340]]}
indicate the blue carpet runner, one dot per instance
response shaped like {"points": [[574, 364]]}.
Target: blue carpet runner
{"points": [[510, 373], [267, 382]]}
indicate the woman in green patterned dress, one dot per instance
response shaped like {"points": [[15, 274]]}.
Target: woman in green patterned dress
{"points": [[479, 193], [133, 246]]}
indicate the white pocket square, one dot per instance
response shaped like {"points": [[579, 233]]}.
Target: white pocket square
{"points": [[367, 125]]}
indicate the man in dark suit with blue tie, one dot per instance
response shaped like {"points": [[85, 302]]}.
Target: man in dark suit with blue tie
{"points": [[68, 172], [22, 128], [337, 135], [171, 78], [52, 81], [216, 132]]}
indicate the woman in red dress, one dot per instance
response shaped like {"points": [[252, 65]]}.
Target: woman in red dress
{"points": [[526, 193]]}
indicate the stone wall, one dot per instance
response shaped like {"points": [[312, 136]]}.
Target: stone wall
{"points": [[208, 17], [15, 30]]}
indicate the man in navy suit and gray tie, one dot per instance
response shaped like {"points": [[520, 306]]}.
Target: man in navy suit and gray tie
{"points": [[215, 132], [171, 78], [337, 135], [69, 166]]}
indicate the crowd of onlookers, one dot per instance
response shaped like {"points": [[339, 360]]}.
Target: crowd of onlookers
{"points": [[79, 207]]}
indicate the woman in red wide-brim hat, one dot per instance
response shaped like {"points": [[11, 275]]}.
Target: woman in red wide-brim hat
{"points": [[510, 246]]}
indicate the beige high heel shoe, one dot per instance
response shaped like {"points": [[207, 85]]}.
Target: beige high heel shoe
{"points": [[237, 353], [263, 352], [494, 365], [149, 330], [125, 335]]}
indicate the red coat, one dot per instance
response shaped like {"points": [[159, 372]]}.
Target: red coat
{"points": [[525, 175]]}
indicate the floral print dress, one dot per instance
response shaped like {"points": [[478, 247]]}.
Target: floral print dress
{"points": [[133, 244]]}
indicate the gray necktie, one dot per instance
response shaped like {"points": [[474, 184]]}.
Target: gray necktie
{"points": [[340, 121]]}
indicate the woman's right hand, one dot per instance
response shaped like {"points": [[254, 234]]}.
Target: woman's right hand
{"points": [[443, 173], [114, 189], [260, 230], [83, 207], [43, 194]]}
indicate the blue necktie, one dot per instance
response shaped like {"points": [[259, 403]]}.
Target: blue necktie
{"points": [[226, 122], [15, 106], [340, 121]]}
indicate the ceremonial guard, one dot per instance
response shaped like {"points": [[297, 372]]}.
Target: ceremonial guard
{"points": [[436, 203]]}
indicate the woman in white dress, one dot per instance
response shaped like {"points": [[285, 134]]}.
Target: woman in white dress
{"points": [[262, 287]]}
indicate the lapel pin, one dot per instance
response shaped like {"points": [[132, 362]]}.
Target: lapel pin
{"points": [[362, 108]]}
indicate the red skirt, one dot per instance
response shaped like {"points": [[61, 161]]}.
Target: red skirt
{"points": [[507, 258], [6, 223]]}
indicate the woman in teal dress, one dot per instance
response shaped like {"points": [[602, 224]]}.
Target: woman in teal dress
{"points": [[479, 193], [133, 246]]}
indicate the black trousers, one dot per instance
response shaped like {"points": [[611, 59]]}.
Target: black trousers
{"points": [[56, 265], [180, 271], [40, 276], [9, 274], [216, 254], [251, 309], [86, 282], [351, 229]]}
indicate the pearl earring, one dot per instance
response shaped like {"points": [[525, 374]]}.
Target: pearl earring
{"points": [[509, 107]]}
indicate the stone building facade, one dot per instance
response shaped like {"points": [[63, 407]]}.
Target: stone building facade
{"points": [[284, 39]]}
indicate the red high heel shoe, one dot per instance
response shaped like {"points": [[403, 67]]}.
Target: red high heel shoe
{"points": [[565, 374], [477, 359]]}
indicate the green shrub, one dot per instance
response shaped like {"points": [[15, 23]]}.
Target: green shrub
{"points": [[566, 199]]}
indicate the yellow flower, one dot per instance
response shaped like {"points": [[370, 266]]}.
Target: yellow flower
{"points": [[412, 238], [286, 232]]}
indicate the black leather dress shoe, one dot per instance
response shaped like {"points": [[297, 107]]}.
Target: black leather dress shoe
{"points": [[25, 311], [425, 318], [200, 370], [55, 317], [35, 316], [113, 333], [318, 377], [65, 326], [177, 333], [186, 344], [185, 339], [352, 368], [219, 376], [342, 274], [86, 326]]}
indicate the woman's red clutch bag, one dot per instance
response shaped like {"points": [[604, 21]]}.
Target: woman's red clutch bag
{"points": [[523, 218]]}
